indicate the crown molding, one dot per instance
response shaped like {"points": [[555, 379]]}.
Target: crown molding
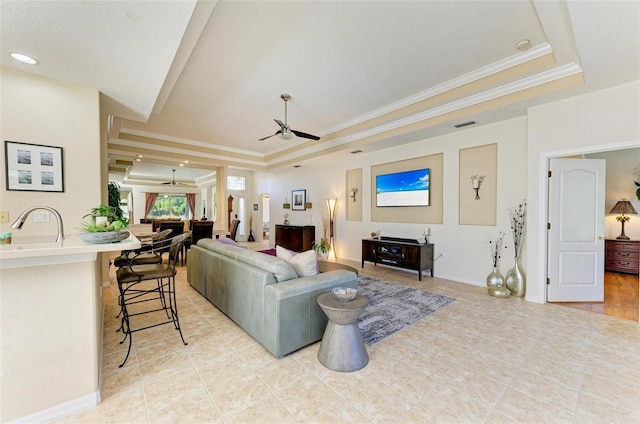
{"points": [[491, 94], [485, 71], [188, 142], [181, 151]]}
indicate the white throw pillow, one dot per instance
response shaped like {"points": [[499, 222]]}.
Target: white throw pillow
{"points": [[304, 264], [283, 253]]}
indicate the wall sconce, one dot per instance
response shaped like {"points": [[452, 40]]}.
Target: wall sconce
{"points": [[331, 204], [623, 206], [353, 193], [476, 181]]}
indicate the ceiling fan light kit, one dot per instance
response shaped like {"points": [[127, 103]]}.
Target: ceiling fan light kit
{"points": [[285, 132]]}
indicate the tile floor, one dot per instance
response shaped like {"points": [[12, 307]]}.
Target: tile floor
{"points": [[478, 360]]}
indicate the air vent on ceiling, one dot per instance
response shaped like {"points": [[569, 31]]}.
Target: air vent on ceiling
{"points": [[356, 151], [464, 124]]}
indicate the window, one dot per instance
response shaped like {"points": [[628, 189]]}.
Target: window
{"points": [[235, 183], [170, 206]]}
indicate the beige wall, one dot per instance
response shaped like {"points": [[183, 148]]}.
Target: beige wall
{"points": [[466, 255], [599, 121], [354, 206], [43, 111]]}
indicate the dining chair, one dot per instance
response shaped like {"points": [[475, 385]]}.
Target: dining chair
{"points": [[152, 285], [150, 253], [178, 228], [234, 229]]}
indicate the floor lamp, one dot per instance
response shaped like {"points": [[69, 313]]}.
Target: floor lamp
{"points": [[331, 204]]}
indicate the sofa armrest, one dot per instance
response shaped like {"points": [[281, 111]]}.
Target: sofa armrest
{"points": [[293, 318]]}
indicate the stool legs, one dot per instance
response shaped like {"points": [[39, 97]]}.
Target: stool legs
{"points": [[168, 303]]}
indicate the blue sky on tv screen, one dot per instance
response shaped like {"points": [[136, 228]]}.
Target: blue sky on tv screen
{"points": [[403, 181]]}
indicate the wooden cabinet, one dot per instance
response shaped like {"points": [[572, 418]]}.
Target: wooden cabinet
{"points": [[295, 237], [622, 256], [399, 252]]}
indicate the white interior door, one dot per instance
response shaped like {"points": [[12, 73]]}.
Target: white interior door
{"points": [[576, 236]]}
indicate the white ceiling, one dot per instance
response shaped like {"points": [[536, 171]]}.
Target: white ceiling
{"points": [[212, 73]]}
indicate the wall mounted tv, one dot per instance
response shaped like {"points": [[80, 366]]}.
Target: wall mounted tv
{"points": [[408, 188]]}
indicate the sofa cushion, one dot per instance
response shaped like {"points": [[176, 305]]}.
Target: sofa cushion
{"points": [[228, 241], [282, 270], [284, 253], [305, 264]]}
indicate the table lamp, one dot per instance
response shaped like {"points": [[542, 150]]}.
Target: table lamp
{"points": [[623, 206]]}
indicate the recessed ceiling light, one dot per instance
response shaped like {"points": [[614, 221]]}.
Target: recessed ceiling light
{"points": [[24, 58], [133, 15], [138, 160], [523, 45], [140, 156], [186, 161], [182, 164]]}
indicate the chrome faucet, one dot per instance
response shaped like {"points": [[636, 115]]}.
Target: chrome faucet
{"points": [[17, 225]]}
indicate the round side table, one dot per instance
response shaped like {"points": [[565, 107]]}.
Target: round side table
{"points": [[342, 347]]}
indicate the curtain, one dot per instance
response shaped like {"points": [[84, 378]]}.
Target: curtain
{"points": [[149, 201], [191, 202]]}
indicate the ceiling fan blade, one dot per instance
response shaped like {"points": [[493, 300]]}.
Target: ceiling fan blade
{"points": [[269, 136], [305, 135], [279, 122]]}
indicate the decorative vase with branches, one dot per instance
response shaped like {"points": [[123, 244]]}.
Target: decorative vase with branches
{"points": [[495, 246], [514, 278]]}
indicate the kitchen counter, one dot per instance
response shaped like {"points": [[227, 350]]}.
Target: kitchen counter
{"points": [[51, 326], [36, 251]]}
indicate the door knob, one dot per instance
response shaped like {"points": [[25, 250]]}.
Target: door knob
{"points": [[600, 237]]}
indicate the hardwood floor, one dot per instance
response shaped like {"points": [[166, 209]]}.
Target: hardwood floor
{"points": [[620, 297]]}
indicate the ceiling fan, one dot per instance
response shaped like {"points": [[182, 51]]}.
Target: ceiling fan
{"points": [[173, 180], [285, 131]]}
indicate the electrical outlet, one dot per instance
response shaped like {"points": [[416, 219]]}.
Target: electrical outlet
{"points": [[41, 216], [4, 217]]}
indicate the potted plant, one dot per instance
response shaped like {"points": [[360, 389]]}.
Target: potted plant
{"points": [[106, 227], [322, 247]]}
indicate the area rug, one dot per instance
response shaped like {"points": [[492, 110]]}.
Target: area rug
{"points": [[393, 307]]}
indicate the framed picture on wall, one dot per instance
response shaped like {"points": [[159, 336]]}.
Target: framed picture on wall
{"points": [[33, 167], [299, 200]]}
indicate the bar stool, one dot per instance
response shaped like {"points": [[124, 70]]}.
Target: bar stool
{"points": [[162, 295], [146, 255]]}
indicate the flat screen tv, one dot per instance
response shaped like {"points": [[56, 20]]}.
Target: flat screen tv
{"points": [[408, 188]]}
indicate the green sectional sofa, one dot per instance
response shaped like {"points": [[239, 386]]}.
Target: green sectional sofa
{"points": [[263, 294]]}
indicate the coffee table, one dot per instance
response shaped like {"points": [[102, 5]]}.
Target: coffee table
{"points": [[325, 266], [342, 347]]}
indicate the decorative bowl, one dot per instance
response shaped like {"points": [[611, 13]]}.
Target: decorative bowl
{"points": [[344, 294], [104, 237]]}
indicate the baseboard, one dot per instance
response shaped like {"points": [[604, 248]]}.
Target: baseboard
{"points": [[460, 280], [62, 410]]}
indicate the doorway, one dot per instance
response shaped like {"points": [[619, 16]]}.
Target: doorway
{"points": [[620, 297], [621, 292], [265, 216]]}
